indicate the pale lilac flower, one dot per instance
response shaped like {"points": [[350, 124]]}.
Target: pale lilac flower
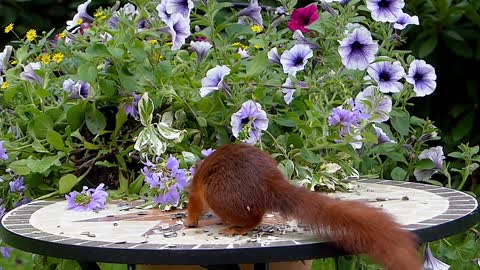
{"points": [[289, 89], [30, 75], [171, 181], [252, 11], [132, 108], [347, 120], [80, 15], [22, 202], [385, 10], [382, 136], [76, 89], [162, 11], [171, 197], [3, 211], [432, 263], [201, 48], [358, 49], [249, 121], [87, 200], [374, 103], [243, 53], [17, 185], [351, 26], [179, 28], [436, 155], [387, 76], [129, 10], [281, 11], [301, 39], [113, 22], [422, 76], [5, 57], [153, 179], [404, 19], [6, 251], [183, 7], [273, 55], [295, 59], [207, 152], [214, 80], [3, 152]]}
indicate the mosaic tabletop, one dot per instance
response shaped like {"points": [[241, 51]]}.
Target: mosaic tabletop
{"points": [[125, 233]]}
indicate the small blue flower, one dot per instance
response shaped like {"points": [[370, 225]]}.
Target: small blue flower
{"points": [[296, 58], [81, 15], [252, 11], [435, 154], [385, 10], [132, 108], [30, 75], [248, 122], [207, 152], [432, 263], [5, 57], [382, 136], [6, 251], [3, 152], [87, 200], [274, 56], [358, 49], [289, 89], [214, 80], [422, 76], [3, 211], [201, 48], [76, 89], [404, 19], [17, 185]]}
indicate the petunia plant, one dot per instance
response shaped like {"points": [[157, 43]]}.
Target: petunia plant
{"points": [[126, 99]]}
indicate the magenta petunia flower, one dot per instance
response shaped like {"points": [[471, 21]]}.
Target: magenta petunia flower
{"points": [[302, 17]]}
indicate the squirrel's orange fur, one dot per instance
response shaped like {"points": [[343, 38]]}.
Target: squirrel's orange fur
{"points": [[240, 183]]}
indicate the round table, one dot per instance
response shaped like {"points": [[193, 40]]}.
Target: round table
{"points": [[125, 233]]}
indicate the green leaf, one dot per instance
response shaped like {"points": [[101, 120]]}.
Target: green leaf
{"points": [[458, 155], [120, 119], [398, 174], [136, 185], [20, 167], [41, 166], [42, 124], [145, 107], [202, 122], [425, 164], [66, 183], [116, 52], [295, 140], [285, 121], [56, 140], [287, 167], [87, 72], [257, 64], [98, 49], [463, 128], [400, 121], [76, 116], [95, 120], [38, 147], [309, 156], [427, 46]]}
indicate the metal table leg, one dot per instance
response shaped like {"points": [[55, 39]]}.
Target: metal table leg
{"points": [[89, 266], [261, 266], [132, 267]]}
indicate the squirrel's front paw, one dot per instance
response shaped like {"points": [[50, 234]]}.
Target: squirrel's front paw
{"points": [[190, 223]]}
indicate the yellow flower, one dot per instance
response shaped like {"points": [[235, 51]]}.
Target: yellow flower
{"points": [[153, 42], [257, 28], [80, 21], [46, 58], [237, 44], [157, 57], [98, 14], [62, 35], [257, 46], [9, 28], [31, 34], [244, 47], [58, 57], [14, 62], [169, 43], [5, 85], [104, 17]]}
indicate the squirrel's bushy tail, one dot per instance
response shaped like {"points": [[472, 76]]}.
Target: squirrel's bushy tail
{"points": [[352, 225]]}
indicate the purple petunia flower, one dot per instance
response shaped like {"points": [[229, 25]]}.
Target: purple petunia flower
{"points": [[214, 80], [385, 10], [289, 89], [295, 59], [248, 122], [207, 152], [252, 11], [301, 39], [132, 108], [129, 10], [387, 74], [22, 202], [87, 200], [404, 19], [422, 76], [375, 104], [201, 48], [6, 251], [3, 152], [346, 119], [76, 89], [81, 15], [171, 197], [382, 136], [436, 155], [29, 73], [179, 27], [432, 263], [358, 49], [5, 57], [273, 55], [162, 11], [182, 7], [3, 211], [17, 185]]}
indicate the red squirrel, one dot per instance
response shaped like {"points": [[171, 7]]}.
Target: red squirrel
{"points": [[240, 183]]}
